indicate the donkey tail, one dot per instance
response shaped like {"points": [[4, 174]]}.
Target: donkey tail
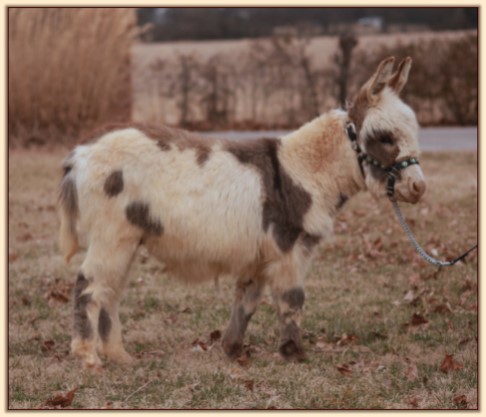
{"points": [[68, 211]]}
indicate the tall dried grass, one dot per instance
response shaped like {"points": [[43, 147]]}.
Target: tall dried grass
{"points": [[69, 69]]}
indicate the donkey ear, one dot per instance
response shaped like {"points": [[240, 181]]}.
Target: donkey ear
{"points": [[399, 79], [380, 78]]}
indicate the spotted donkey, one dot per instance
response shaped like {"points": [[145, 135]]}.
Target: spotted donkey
{"points": [[252, 209]]}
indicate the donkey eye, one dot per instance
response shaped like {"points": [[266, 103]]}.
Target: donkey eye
{"points": [[386, 140]]}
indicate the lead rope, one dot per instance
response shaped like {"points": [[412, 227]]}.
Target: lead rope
{"points": [[392, 176], [418, 248]]}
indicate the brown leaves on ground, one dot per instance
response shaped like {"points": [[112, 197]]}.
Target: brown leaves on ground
{"points": [[344, 369], [411, 373], [214, 336], [199, 345], [460, 401], [58, 291], [414, 402], [449, 364], [346, 340], [61, 399], [416, 321]]}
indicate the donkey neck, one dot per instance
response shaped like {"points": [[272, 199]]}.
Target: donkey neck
{"points": [[320, 155]]}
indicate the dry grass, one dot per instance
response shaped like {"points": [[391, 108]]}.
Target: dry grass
{"points": [[69, 69], [361, 355]]}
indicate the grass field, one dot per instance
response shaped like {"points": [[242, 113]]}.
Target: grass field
{"points": [[378, 323]]}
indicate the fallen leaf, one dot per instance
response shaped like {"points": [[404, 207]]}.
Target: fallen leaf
{"points": [[417, 320], [12, 256], [61, 399], [443, 309], [47, 345], [413, 401], [464, 342], [57, 295], [449, 364], [460, 401], [214, 336], [249, 384], [344, 369], [412, 372], [199, 346], [467, 285], [25, 237], [347, 340], [244, 359], [414, 279], [410, 297]]}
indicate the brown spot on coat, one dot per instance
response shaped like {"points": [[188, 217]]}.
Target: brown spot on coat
{"points": [[163, 145], [164, 136], [285, 202], [104, 325], [114, 183], [138, 214], [82, 325]]}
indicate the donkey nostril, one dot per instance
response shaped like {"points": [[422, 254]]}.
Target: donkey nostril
{"points": [[418, 187]]}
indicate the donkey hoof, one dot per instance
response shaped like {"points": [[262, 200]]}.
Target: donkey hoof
{"points": [[291, 351], [232, 349]]}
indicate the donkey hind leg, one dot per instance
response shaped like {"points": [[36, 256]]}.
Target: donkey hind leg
{"points": [[97, 293], [247, 296], [289, 296]]}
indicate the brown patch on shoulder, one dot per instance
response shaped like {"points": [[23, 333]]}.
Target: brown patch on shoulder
{"points": [[285, 202], [114, 183], [138, 214]]}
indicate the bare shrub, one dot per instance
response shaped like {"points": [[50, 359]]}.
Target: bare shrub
{"points": [[69, 69], [279, 82], [459, 80], [218, 90]]}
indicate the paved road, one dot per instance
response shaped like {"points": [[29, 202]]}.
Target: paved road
{"points": [[431, 138]]}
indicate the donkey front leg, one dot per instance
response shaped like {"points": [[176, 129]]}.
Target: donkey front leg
{"points": [[289, 296], [248, 293]]}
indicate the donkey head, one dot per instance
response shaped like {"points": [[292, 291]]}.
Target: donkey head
{"points": [[387, 132]]}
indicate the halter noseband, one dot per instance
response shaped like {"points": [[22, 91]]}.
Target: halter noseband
{"points": [[392, 170]]}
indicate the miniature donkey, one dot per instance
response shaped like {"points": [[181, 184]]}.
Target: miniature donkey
{"points": [[251, 209]]}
